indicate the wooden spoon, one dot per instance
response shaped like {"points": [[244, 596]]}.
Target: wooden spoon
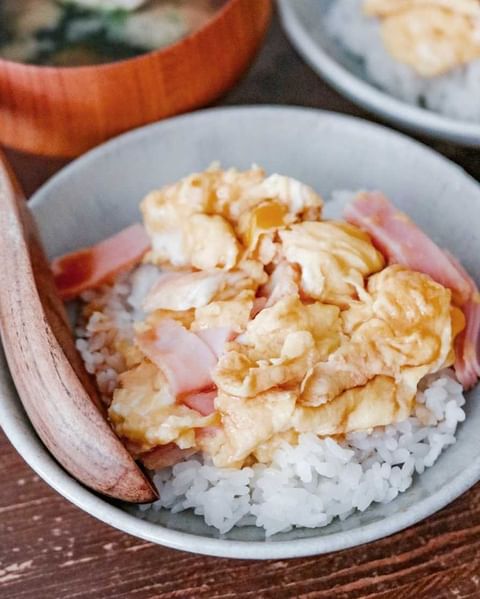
{"points": [[56, 391]]}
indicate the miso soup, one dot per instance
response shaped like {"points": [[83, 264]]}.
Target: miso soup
{"points": [[83, 32]]}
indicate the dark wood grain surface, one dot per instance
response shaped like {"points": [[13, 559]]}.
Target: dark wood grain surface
{"points": [[48, 548]]}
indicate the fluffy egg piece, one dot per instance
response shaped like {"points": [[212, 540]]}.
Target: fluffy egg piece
{"points": [[334, 258]]}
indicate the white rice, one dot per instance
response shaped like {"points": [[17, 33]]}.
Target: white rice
{"points": [[456, 94], [119, 307], [328, 478]]}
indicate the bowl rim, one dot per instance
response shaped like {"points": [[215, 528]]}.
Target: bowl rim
{"points": [[360, 91], [17, 428], [148, 55]]}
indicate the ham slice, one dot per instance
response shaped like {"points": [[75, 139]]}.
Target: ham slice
{"points": [[467, 344], [259, 304], [184, 358], [90, 267], [164, 456], [402, 242], [467, 362], [216, 338], [203, 402]]}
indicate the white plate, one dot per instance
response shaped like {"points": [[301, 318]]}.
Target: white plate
{"points": [[304, 23], [99, 193]]}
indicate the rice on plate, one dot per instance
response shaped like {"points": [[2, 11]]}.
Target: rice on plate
{"points": [[256, 357], [425, 52]]}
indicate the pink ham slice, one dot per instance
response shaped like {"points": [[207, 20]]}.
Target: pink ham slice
{"points": [[216, 338], [203, 402], [184, 358], [467, 363], [467, 344], [259, 304], [164, 456], [90, 267], [402, 242]]}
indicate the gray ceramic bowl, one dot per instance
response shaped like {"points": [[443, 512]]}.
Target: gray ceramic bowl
{"points": [[99, 193], [304, 23]]}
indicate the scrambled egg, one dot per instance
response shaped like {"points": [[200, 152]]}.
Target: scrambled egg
{"points": [[145, 411], [234, 313], [384, 8], [402, 329], [278, 347], [326, 339], [379, 402], [192, 222], [247, 423], [432, 36], [334, 258]]}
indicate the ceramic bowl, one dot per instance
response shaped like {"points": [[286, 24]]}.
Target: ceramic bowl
{"points": [[98, 194], [304, 23], [65, 111]]}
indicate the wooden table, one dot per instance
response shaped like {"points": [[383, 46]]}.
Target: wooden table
{"points": [[48, 548]]}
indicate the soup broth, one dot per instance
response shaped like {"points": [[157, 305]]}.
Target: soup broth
{"points": [[68, 33]]}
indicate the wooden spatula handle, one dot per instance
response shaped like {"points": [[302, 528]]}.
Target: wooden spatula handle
{"points": [[57, 393]]}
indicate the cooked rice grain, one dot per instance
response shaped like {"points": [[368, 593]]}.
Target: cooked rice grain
{"points": [[328, 478]]}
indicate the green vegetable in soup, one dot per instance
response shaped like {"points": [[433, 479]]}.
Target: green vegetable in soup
{"points": [[62, 33], [84, 36]]}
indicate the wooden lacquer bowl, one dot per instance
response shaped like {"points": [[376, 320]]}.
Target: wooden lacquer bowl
{"points": [[65, 111]]}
